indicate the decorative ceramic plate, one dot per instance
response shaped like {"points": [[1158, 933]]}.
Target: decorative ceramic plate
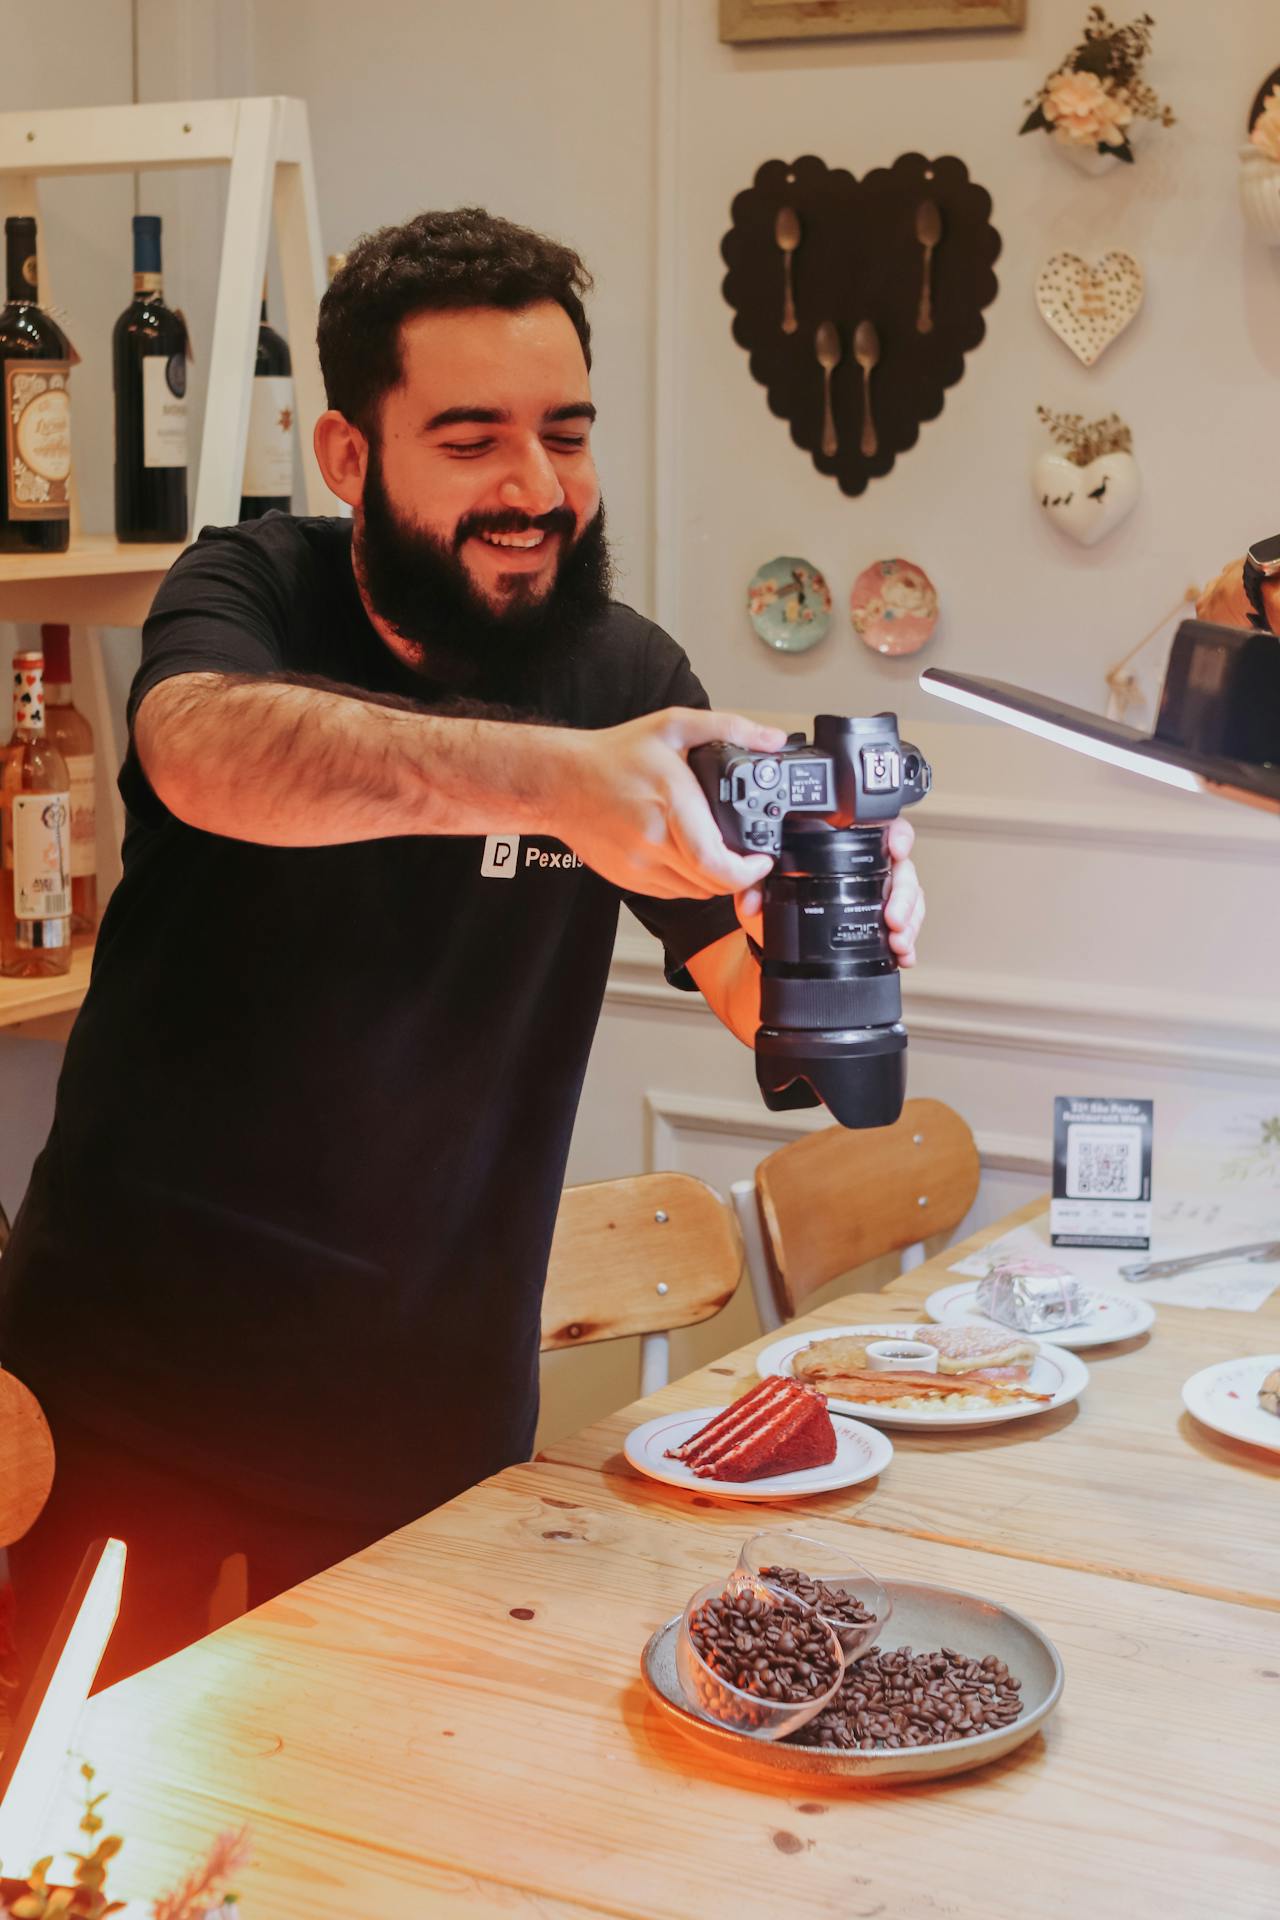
{"points": [[1056, 1373], [1089, 303], [1225, 1397], [922, 1617], [1117, 1316], [861, 1453], [790, 604], [894, 606]]}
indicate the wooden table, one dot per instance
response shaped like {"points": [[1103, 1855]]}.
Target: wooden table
{"points": [[453, 1722], [1131, 1485]]}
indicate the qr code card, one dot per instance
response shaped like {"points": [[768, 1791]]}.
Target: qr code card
{"points": [[1101, 1173]]}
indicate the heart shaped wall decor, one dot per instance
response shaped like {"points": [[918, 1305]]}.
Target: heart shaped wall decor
{"points": [[1087, 502], [1089, 304], [898, 263]]}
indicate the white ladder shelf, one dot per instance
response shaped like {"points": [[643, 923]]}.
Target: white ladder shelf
{"points": [[98, 582]]}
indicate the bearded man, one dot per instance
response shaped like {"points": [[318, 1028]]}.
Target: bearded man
{"points": [[277, 1278]]}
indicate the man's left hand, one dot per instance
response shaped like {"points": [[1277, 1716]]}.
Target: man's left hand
{"points": [[904, 908]]}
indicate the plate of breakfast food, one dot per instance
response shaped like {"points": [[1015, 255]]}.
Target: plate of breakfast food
{"points": [[1240, 1398], [1104, 1317], [900, 1375], [777, 1442]]}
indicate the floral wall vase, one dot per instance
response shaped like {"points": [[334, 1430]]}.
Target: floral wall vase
{"points": [[1088, 502], [1260, 194], [1091, 161]]}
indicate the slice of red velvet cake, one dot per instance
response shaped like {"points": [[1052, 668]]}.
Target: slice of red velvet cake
{"points": [[779, 1427]]}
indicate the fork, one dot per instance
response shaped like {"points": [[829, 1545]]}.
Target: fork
{"points": [[1256, 1253]]}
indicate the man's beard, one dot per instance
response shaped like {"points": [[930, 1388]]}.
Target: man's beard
{"points": [[419, 585]]}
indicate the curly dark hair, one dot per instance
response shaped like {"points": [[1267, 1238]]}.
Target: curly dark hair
{"points": [[465, 258]]}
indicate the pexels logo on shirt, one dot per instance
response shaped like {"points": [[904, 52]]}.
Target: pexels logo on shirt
{"points": [[503, 857]]}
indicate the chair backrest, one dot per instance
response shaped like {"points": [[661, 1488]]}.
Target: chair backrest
{"points": [[638, 1256], [26, 1459], [832, 1200]]}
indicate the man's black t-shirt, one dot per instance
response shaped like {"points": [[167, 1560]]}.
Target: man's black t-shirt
{"points": [[292, 1221]]}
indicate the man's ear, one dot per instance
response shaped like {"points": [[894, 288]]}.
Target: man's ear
{"points": [[342, 453]]}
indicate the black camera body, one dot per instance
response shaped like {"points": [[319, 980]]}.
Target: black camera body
{"points": [[830, 999]]}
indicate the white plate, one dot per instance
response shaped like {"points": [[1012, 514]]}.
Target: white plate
{"points": [[1225, 1397], [1054, 1372], [861, 1453], [1118, 1316]]}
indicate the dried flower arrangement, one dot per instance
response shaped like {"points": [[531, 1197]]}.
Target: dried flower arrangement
{"points": [[1086, 440], [1264, 120], [202, 1890], [1098, 91]]}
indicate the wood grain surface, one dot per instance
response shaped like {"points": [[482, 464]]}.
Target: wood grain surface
{"points": [[639, 1255], [26, 1459], [454, 1722], [831, 1201], [1125, 1482]]}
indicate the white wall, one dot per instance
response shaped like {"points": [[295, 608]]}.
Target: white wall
{"points": [[1086, 933], [1195, 375]]}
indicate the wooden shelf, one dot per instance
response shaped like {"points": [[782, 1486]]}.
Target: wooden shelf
{"points": [[27, 1001], [97, 582]]}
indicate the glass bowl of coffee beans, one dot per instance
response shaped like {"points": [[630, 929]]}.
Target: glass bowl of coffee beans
{"points": [[756, 1660], [821, 1575]]}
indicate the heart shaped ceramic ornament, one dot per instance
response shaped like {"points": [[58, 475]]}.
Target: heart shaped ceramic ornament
{"points": [[1087, 502], [1089, 303]]}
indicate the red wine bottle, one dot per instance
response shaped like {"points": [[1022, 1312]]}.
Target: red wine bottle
{"points": [[35, 368], [268, 459], [149, 365]]}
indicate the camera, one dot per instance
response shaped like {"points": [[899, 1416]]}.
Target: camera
{"points": [[831, 1027]]}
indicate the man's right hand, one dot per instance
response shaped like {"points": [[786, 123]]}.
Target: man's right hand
{"points": [[632, 809]]}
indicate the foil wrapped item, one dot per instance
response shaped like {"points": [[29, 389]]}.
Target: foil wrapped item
{"points": [[1033, 1296]]}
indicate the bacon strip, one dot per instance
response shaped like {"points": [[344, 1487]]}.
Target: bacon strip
{"points": [[888, 1386]]}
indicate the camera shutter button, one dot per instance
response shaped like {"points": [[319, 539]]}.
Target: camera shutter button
{"points": [[767, 773]]}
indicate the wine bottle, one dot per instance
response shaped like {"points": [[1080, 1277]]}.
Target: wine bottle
{"points": [[35, 818], [35, 368], [149, 368], [68, 730], [268, 460]]}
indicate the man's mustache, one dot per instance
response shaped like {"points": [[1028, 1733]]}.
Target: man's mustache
{"points": [[559, 520]]}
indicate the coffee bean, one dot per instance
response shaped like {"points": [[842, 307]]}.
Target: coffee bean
{"points": [[889, 1701], [741, 1640]]}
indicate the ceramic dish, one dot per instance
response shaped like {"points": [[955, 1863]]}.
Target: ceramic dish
{"points": [[922, 1617], [1225, 1398], [1089, 303], [894, 607], [1117, 1316], [1054, 1372], [861, 1453], [790, 604]]}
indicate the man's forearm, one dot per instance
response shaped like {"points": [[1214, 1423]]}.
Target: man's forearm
{"points": [[288, 765], [728, 978]]}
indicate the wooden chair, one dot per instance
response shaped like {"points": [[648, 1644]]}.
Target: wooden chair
{"points": [[830, 1201], [641, 1255], [26, 1459]]}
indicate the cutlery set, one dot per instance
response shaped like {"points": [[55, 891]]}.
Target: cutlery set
{"points": [[828, 349], [858, 301]]}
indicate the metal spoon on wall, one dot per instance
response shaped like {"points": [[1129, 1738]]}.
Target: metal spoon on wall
{"points": [[826, 344], [928, 233], [786, 231], [866, 351]]}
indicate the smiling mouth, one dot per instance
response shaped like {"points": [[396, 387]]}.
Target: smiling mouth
{"points": [[515, 542]]}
